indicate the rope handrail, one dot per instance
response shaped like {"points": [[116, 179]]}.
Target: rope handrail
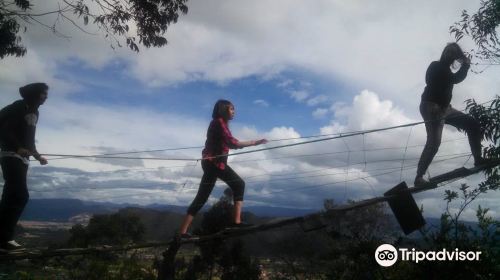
{"points": [[330, 136], [339, 136]]}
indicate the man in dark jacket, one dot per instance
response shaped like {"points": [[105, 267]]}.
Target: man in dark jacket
{"points": [[17, 142], [436, 110]]}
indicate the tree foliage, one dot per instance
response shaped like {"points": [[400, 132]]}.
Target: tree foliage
{"points": [[482, 28], [115, 18], [452, 233], [489, 119], [115, 229]]}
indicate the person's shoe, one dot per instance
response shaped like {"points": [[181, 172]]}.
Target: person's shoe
{"points": [[185, 236], [11, 246], [420, 181]]}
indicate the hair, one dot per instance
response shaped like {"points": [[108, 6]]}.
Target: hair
{"points": [[221, 109], [452, 52], [31, 92]]}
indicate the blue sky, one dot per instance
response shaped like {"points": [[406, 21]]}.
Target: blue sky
{"points": [[253, 96], [294, 70]]}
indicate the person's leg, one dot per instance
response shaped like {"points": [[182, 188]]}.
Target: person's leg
{"points": [[238, 205], [471, 127], [433, 115], [188, 219], [14, 197], [206, 186], [237, 185]]}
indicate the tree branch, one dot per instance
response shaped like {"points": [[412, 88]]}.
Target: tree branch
{"points": [[76, 25]]}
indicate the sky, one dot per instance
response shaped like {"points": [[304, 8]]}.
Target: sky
{"points": [[292, 68]]}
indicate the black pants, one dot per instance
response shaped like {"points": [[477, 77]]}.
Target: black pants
{"points": [[435, 118], [210, 175], [14, 197]]}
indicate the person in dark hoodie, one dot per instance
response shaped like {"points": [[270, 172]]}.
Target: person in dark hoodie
{"points": [[436, 110], [17, 143]]}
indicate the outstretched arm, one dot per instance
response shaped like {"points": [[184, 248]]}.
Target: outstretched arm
{"points": [[234, 143], [243, 144]]}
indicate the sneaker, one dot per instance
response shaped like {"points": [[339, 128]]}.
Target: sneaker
{"points": [[184, 236], [420, 181], [11, 246]]}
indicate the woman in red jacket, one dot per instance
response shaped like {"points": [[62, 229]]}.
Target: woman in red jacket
{"points": [[214, 164]]}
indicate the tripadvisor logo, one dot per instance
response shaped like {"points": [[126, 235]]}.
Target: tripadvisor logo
{"points": [[387, 255]]}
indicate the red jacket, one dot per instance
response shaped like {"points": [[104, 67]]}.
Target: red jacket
{"points": [[219, 141]]}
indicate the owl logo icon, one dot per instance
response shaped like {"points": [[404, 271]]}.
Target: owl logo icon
{"points": [[386, 255]]}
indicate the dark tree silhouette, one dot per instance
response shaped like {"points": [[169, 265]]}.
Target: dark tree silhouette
{"points": [[225, 259], [489, 119], [114, 229], [482, 28], [114, 18]]}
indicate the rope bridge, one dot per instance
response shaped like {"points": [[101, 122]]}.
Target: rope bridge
{"points": [[434, 182]]}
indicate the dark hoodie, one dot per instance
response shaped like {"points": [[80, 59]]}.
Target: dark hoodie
{"points": [[18, 120], [440, 81]]}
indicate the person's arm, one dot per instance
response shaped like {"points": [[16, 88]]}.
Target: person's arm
{"points": [[34, 151], [41, 159], [461, 74], [234, 143], [37, 156], [243, 144]]}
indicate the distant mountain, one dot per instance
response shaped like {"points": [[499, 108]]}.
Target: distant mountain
{"points": [[267, 211], [72, 210], [62, 210]]}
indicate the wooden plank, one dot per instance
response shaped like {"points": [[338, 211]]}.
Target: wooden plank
{"points": [[230, 233], [433, 183]]}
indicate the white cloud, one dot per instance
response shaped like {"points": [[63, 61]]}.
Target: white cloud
{"points": [[320, 113], [317, 100], [299, 95], [368, 44], [385, 46], [261, 102], [282, 133], [285, 84], [369, 112], [71, 128]]}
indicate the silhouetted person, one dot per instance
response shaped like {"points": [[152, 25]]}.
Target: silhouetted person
{"points": [[436, 110], [214, 164], [17, 142]]}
